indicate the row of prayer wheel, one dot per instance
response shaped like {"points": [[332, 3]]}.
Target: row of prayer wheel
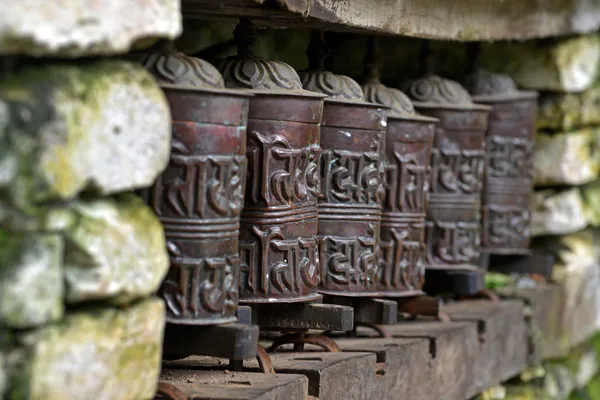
{"points": [[283, 185]]}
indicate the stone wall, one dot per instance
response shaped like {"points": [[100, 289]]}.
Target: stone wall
{"points": [[81, 255]]}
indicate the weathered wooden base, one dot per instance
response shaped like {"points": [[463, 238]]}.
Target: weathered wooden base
{"points": [[503, 347], [403, 366], [457, 281], [302, 316], [331, 376], [453, 348], [225, 385], [485, 343], [368, 310], [458, 20], [232, 341]]}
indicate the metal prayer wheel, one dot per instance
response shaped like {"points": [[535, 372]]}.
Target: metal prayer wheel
{"points": [[278, 244], [199, 196], [351, 172], [457, 159], [508, 176], [408, 142]]}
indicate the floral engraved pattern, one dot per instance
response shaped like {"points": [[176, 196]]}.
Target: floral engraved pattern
{"points": [[437, 90], [335, 86], [398, 102], [179, 69], [258, 74]]}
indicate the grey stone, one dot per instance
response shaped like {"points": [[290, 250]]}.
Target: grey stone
{"points": [[557, 212], [564, 65], [85, 27], [116, 250], [31, 280], [569, 111], [101, 126], [100, 354], [566, 158]]}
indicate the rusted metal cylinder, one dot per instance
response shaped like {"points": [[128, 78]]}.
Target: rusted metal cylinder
{"points": [[278, 245], [199, 196], [457, 160], [352, 172], [408, 142], [508, 173]]}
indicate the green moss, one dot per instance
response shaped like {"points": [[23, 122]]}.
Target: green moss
{"points": [[31, 280], [495, 280], [92, 354], [52, 110], [114, 251], [591, 201], [469, 34]]}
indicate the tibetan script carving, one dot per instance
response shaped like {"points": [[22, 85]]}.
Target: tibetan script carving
{"points": [[350, 200], [456, 182], [452, 242], [284, 266], [349, 263], [199, 198], [456, 171], [509, 158], [193, 287], [350, 176], [281, 174], [278, 246], [406, 184], [408, 149], [508, 185]]}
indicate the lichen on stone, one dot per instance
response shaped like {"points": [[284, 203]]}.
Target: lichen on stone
{"points": [[591, 201], [566, 158], [99, 354], [557, 212], [31, 279], [564, 65], [569, 111], [114, 251], [102, 126]]}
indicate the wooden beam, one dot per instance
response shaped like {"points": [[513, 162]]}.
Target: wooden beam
{"points": [[463, 20]]}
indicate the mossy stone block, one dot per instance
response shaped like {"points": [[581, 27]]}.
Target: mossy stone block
{"points": [[561, 65], [566, 158], [97, 126], [100, 354], [569, 111], [31, 280], [557, 212], [114, 251]]}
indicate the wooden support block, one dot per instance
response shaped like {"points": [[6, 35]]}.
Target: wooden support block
{"points": [[331, 376], [368, 310], [502, 339], [225, 385], [234, 341], [404, 366], [454, 348], [303, 316]]}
